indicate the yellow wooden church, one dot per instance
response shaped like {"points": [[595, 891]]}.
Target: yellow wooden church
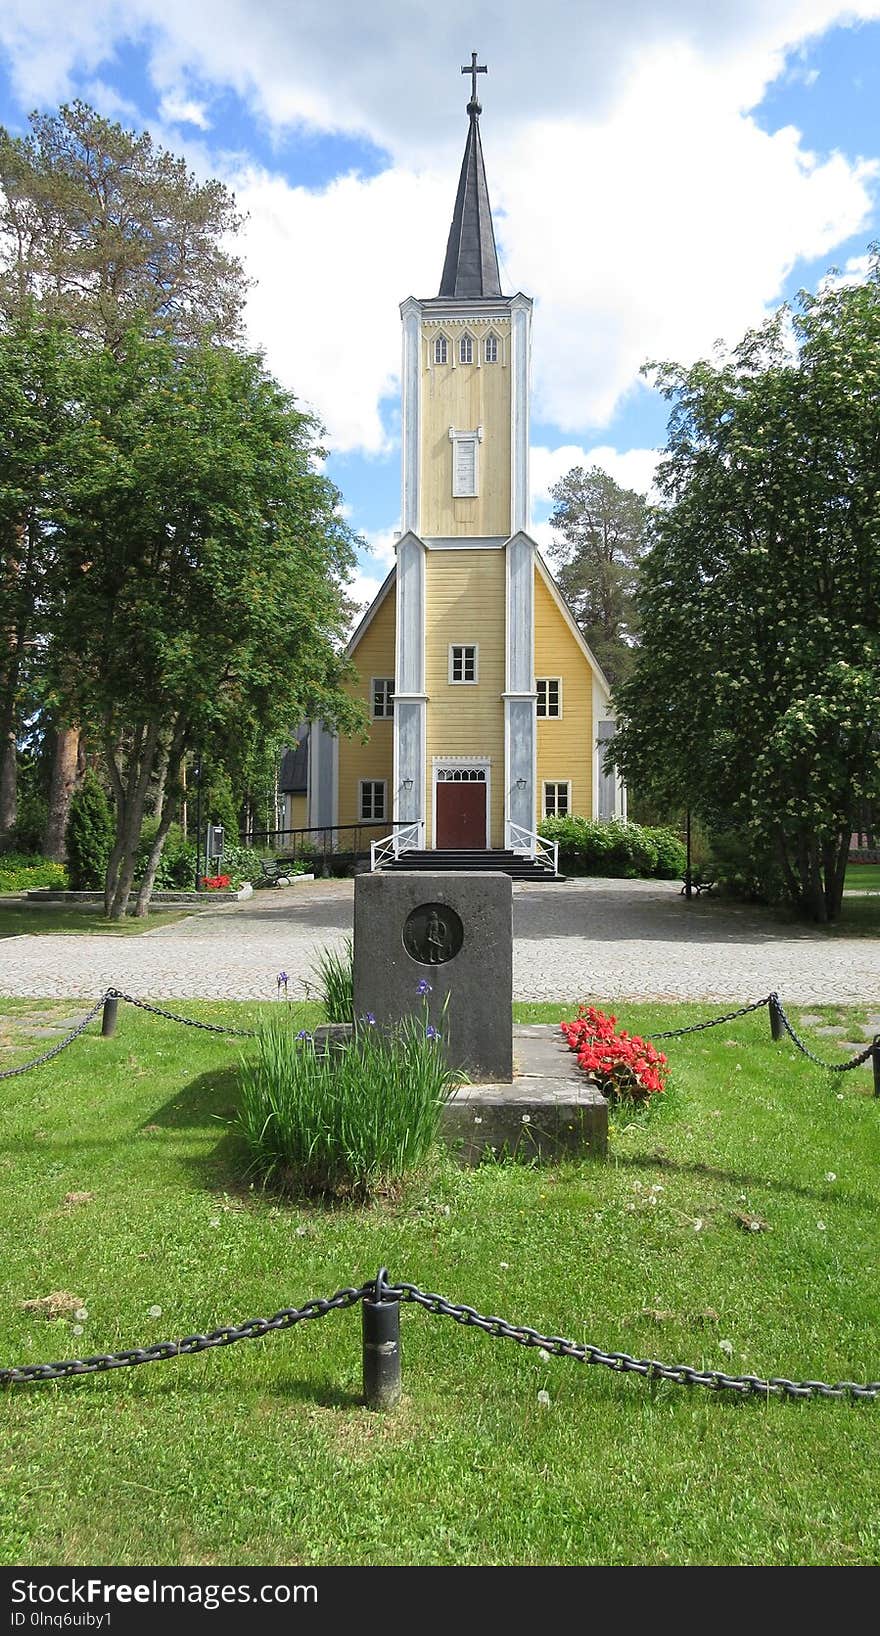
{"points": [[487, 708]]}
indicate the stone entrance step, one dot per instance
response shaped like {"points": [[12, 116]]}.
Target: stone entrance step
{"points": [[498, 859]]}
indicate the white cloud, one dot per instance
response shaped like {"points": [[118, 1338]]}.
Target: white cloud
{"points": [[855, 271], [636, 197], [631, 468], [382, 543], [179, 109], [324, 304]]}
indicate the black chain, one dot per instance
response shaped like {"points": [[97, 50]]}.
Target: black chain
{"points": [[697, 1028], [650, 1368], [157, 1353], [831, 1067], [681, 1374], [173, 1016], [55, 1050]]}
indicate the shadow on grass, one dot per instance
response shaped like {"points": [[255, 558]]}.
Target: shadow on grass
{"points": [[745, 1179]]}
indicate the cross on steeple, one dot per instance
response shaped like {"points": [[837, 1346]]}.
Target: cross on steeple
{"points": [[473, 69]]}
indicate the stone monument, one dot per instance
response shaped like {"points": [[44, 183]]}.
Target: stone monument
{"points": [[445, 942], [440, 946]]}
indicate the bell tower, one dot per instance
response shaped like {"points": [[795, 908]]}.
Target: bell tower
{"points": [[465, 689]]}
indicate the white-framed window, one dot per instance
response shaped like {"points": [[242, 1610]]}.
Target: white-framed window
{"points": [[557, 798], [441, 349], [490, 349], [549, 696], [466, 349], [463, 662], [465, 463], [372, 799], [382, 694]]}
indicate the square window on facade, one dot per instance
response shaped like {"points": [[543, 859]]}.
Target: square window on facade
{"points": [[383, 697], [557, 799], [372, 799], [463, 662], [549, 690]]}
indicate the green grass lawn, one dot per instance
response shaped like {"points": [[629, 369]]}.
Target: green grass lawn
{"points": [[120, 1187], [25, 919], [863, 877]]}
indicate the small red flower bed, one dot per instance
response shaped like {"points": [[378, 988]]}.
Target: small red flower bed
{"points": [[216, 883], [624, 1064]]}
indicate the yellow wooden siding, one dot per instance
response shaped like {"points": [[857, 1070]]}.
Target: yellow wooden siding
{"points": [[565, 746], [465, 603], [373, 656], [465, 396], [297, 811]]}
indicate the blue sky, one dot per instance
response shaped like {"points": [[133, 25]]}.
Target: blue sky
{"points": [[662, 175]]}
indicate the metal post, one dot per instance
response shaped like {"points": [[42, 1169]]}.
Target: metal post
{"points": [[688, 876], [777, 1027], [875, 1063], [108, 1016], [198, 772], [381, 1347]]}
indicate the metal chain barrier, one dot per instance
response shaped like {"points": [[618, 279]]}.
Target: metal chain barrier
{"points": [[831, 1067], [173, 1016], [715, 1022], [55, 1050], [381, 1301], [113, 995], [157, 1353], [681, 1374]]}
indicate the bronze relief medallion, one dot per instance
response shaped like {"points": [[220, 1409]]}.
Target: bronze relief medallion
{"points": [[433, 934]]}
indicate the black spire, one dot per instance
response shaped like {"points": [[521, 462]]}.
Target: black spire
{"points": [[471, 266]]}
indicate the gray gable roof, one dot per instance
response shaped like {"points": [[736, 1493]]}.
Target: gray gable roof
{"points": [[471, 266], [293, 777]]}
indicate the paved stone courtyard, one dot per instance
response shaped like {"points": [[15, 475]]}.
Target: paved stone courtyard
{"points": [[587, 938]]}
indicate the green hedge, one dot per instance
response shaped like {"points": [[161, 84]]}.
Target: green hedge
{"points": [[21, 872], [607, 846]]}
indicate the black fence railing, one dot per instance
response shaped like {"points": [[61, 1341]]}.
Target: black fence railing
{"points": [[325, 843]]}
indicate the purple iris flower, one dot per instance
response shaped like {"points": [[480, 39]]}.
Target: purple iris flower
{"points": [[370, 1018], [303, 1034], [423, 987], [432, 1033]]}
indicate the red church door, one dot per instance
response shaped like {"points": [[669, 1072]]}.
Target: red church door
{"points": [[461, 815]]}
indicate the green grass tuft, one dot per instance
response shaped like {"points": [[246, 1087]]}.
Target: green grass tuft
{"points": [[334, 980]]}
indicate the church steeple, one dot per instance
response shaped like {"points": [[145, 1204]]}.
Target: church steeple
{"points": [[471, 266]]}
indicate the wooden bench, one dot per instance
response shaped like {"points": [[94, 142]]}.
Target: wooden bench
{"points": [[272, 869]]}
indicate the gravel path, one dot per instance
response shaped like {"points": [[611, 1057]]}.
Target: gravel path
{"points": [[613, 939]]}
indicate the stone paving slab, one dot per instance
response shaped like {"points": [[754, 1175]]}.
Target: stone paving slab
{"points": [[613, 940]]}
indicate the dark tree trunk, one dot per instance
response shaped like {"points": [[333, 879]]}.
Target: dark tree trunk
{"points": [[65, 777], [8, 779]]}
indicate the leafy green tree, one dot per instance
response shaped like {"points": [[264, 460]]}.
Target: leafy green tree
{"points": [[202, 555], [100, 230], [90, 834], [37, 412], [755, 696], [601, 538], [105, 229]]}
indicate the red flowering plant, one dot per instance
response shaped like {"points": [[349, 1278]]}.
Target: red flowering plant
{"points": [[624, 1064], [217, 883]]}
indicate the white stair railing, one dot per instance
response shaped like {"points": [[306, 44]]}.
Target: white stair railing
{"points": [[406, 839], [532, 845]]}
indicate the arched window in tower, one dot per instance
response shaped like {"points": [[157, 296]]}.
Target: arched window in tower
{"points": [[441, 350], [466, 349], [490, 349]]}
